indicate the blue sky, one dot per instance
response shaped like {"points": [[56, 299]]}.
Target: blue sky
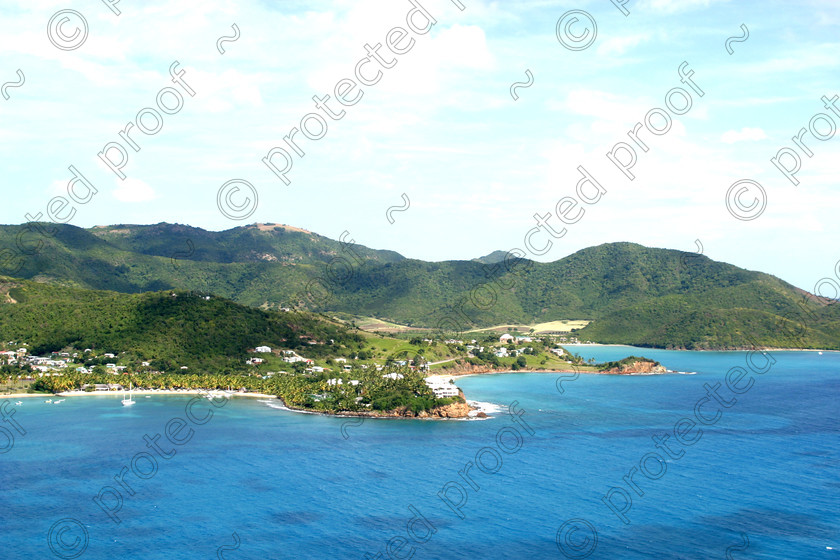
{"points": [[441, 125]]}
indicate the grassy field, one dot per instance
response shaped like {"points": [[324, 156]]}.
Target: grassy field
{"points": [[372, 324], [563, 326]]}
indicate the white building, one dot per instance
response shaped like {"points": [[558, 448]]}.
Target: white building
{"points": [[263, 349], [442, 388], [394, 376], [506, 338]]}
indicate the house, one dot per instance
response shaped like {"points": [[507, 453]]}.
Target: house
{"points": [[255, 361], [263, 349], [501, 353], [316, 369], [341, 360], [523, 339], [441, 388], [506, 339], [347, 367], [101, 387]]}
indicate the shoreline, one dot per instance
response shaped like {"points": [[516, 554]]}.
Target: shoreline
{"points": [[149, 392], [741, 349]]}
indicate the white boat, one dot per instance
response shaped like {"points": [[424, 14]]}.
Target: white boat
{"points": [[128, 401], [59, 401], [18, 403], [48, 401]]}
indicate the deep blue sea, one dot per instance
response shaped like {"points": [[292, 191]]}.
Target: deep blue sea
{"points": [[759, 479]]}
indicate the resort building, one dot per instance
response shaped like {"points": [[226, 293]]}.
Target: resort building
{"points": [[442, 388]]}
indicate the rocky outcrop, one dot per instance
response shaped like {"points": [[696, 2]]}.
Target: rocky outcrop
{"points": [[640, 367], [454, 410]]}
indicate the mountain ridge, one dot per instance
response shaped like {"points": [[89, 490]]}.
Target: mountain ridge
{"points": [[631, 293]]}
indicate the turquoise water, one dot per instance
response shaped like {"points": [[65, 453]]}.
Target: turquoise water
{"points": [[259, 482]]}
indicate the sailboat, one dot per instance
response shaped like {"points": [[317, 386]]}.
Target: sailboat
{"points": [[129, 401]]}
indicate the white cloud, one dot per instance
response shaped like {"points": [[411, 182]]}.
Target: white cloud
{"points": [[620, 45], [745, 134], [672, 6], [134, 190]]}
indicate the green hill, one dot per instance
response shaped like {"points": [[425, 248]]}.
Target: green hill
{"points": [[204, 333], [632, 294]]}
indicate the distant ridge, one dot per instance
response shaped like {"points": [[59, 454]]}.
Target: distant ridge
{"points": [[632, 294]]}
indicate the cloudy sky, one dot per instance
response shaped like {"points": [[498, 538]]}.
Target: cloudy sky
{"points": [[438, 125]]}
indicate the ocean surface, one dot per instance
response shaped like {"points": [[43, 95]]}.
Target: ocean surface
{"points": [[558, 479]]}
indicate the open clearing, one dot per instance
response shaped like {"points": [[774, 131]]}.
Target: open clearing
{"points": [[562, 326], [373, 324]]}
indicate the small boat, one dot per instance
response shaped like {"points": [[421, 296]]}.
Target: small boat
{"points": [[59, 401], [820, 353], [48, 401], [18, 403], [128, 401]]}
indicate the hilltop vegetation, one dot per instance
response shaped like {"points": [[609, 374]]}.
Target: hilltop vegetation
{"points": [[173, 328], [631, 294]]}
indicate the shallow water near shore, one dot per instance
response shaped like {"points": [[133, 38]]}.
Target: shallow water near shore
{"points": [[296, 485]]}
